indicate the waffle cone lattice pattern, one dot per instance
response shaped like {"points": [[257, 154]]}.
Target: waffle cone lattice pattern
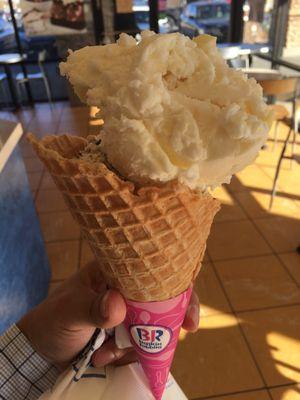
{"points": [[150, 242]]}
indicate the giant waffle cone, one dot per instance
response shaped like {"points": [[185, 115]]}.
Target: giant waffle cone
{"points": [[149, 242]]}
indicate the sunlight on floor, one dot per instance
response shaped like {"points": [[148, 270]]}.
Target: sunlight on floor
{"points": [[221, 194], [93, 111], [247, 347], [285, 353], [224, 321], [96, 122]]}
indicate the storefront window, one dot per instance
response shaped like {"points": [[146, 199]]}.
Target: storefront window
{"points": [[291, 50], [210, 17], [275, 24], [168, 16], [141, 15], [257, 20], [54, 26], [46, 30]]}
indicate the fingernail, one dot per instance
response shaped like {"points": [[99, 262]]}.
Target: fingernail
{"points": [[104, 306], [193, 313]]}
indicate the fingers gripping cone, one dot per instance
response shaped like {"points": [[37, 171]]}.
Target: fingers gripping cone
{"points": [[149, 243]]}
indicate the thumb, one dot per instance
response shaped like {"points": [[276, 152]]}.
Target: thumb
{"points": [[107, 310]]}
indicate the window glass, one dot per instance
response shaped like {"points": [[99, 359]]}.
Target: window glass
{"points": [[208, 17], [257, 17]]}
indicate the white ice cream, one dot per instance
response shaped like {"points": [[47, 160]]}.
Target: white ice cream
{"points": [[172, 108]]}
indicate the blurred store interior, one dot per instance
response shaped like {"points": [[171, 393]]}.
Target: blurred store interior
{"points": [[248, 344]]}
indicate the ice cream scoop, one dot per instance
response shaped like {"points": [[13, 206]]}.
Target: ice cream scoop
{"points": [[173, 109]]}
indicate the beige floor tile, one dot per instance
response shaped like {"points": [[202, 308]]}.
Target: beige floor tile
{"points": [[292, 262], [288, 168], [211, 295], [86, 254], [235, 239], [94, 129], [250, 178], [215, 360], [230, 209], [93, 121], [74, 126], [288, 180], [23, 142], [34, 179], [41, 126], [44, 110], [71, 112], [254, 395], [282, 233], [27, 150], [206, 256], [292, 189], [282, 132], [53, 286], [63, 258], [78, 130], [33, 164], [270, 156], [50, 200], [286, 393], [257, 282], [59, 226], [25, 116], [43, 113], [9, 116], [273, 336], [81, 116], [47, 182], [256, 205], [93, 111]]}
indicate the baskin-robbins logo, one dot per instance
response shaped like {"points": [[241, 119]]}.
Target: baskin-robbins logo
{"points": [[151, 339]]}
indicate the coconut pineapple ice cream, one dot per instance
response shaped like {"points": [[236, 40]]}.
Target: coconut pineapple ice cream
{"points": [[172, 107]]}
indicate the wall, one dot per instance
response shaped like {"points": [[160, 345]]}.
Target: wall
{"points": [[293, 31]]}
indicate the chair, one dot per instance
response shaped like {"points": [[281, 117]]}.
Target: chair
{"points": [[230, 52], [2, 78], [280, 87], [232, 56], [289, 89], [237, 63], [21, 80]]}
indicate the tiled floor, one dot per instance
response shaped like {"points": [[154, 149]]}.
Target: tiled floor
{"points": [[248, 344]]}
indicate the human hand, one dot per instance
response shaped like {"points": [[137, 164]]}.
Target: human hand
{"points": [[61, 326]]}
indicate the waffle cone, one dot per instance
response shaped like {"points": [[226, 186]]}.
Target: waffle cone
{"points": [[149, 242]]}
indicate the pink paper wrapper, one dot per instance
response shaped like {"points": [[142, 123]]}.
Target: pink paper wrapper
{"points": [[154, 328]]}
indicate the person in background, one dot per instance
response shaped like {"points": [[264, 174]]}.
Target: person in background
{"points": [[47, 339]]}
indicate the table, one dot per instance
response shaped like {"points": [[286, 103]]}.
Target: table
{"points": [[10, 59], [246, 48], [262, 74], [250, 49], [233, 50]]}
